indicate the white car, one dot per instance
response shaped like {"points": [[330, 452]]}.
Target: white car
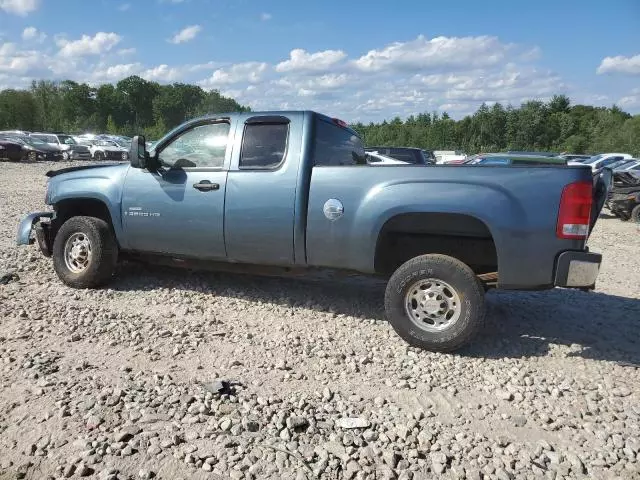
{"points": [[602, 160], [107, 150], [374, 158]]}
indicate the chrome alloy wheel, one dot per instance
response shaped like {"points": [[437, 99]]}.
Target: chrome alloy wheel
{"points": [[432, 305], [77, 252]]}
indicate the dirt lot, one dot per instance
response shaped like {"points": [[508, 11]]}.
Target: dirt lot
{"points": [[120, 383]]}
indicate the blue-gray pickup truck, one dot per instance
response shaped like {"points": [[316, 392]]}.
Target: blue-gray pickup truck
{"points": [[293, 190]]}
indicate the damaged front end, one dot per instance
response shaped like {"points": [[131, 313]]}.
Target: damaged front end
{"points": [[39, 224]]}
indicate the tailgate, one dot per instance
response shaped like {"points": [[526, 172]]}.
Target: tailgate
{"points": [[602, 184]]}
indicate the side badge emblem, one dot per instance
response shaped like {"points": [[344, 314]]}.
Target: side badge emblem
{"points": [[333, 209]]}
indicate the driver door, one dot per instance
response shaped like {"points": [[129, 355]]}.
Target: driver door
{"points": [[179, 209]]}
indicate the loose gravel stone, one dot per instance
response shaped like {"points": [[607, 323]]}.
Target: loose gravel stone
{"points": [[192, 374]]}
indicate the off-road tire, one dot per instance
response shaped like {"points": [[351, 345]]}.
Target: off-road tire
{"points": [[104, 252], [635, 214], [460, 277]]}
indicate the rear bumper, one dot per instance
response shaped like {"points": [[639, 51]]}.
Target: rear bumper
{"points": [[577, 269]]}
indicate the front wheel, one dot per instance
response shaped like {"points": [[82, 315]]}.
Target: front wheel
{"points": [[435, 302], [99, 156], [85, 252]]}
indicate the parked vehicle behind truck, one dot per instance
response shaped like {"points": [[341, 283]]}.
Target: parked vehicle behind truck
{"points": [[293, 191]]}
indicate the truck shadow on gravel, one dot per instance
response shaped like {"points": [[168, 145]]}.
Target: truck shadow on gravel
{"points": [[518, 324], [593, 325]]}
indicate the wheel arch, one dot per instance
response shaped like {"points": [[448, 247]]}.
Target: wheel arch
{"points": [[459, 235], [83, 206]]}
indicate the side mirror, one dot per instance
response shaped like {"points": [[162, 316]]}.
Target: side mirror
{"points": [[138, 155]]}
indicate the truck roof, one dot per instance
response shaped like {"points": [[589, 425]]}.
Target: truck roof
{"points": [[288, 113]]}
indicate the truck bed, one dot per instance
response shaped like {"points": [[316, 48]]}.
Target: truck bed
{"points": [[514, 208]]}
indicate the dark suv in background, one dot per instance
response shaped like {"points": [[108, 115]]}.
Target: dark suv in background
{"points": [[417, 156]]}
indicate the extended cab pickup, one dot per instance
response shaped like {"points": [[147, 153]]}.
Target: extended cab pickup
{"points": [[292, 190]]}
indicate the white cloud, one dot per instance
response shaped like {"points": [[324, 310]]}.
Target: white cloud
{"points": [[300, 60], [437, 53], [186, 34], [19, 7], [620, 64], [126, 51], [265, 17], [162, 73], [32, 34], [199, 67], [114, 73], [399, 79], [100, 43], [632, 100], [248, 72]]}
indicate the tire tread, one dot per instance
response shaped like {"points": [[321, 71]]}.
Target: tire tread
{"points": [[471, 283]]}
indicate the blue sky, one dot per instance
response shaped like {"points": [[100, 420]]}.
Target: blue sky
{"points": [[359, 60]]}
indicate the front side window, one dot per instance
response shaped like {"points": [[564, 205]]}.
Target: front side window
{"points": [[337, 146], [263, 145], [46, 138], [66, 139], [202, 146]]}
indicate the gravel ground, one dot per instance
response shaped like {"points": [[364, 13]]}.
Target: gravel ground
{"points": [[171, 374]]}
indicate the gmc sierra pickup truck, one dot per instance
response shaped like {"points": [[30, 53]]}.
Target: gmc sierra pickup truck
{"points": [[293, 190]]}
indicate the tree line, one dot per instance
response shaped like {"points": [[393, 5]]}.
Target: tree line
{"points": [[135, 105], [552, 126]]}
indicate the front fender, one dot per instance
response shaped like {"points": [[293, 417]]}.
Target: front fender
{"points": [[103, 189], [27, 224]]}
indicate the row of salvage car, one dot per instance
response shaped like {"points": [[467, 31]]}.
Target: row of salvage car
{"points": [[19, 146]]}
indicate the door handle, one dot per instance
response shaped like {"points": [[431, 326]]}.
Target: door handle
{"points": [[206, 186]]}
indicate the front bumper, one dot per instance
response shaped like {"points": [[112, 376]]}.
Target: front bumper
{"points": [[75, 155], [577, 269], [42, 231]]}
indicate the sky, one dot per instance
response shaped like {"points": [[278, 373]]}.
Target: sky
{"points": [[361, 61]]}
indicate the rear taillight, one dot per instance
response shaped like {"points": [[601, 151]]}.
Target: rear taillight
{"points": [[575, 211]]}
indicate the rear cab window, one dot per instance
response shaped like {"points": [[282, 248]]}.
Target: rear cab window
{"points": [[336, 145], [264, 143]]}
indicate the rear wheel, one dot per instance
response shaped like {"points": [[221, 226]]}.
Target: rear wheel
{"points": [[635, 214], [85, 252], [32, 156], [435, 302]]}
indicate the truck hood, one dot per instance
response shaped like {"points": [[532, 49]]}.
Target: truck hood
{"points": [[107, 170]]}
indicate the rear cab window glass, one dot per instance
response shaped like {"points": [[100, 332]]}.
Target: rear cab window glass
{"points": [[263, 145], [337, 146], [405, 155]]}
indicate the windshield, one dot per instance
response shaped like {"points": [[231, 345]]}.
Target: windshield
{"points": [[619, 163], [34, 142], [593, 159], [66, 139]]}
